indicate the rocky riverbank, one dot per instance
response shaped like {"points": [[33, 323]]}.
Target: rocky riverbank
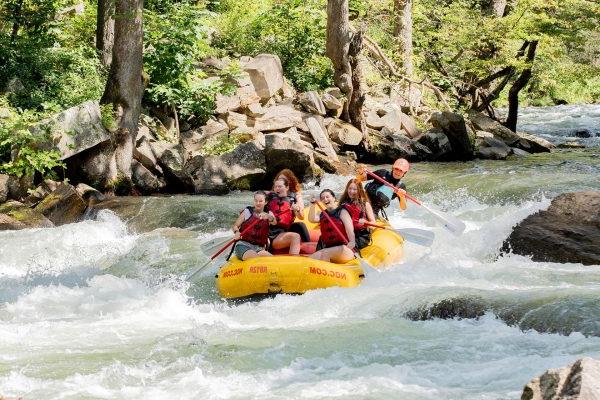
{"points": [[263, 126]]}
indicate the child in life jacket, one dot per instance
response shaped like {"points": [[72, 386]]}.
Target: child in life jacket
{"points": [[284, 207], [336, 248], [356, 202], [254, 242], [381, 194]]}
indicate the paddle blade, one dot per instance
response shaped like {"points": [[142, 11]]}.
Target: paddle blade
{"points": [[451, 223], [194, 273], [213, 243], [421, 237]]}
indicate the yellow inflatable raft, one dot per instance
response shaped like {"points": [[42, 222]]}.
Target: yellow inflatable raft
{"points": [[298, 274]]}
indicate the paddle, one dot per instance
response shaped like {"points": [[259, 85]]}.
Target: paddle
{"points": [[201, 267], [449, 222], [418, 236], [365, 265], [214, 242]]}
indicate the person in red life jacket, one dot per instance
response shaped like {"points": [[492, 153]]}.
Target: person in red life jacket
{"points": [[381, 194], [282, 204], [334, 247], [356, 202], [296, 191], [254, 243]]}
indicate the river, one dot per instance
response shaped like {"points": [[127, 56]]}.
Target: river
{"points": [[100, 309]]}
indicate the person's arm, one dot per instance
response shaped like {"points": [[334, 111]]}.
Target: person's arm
{"points": [[369, 213], [236, 225], [313, 215], [300, 206], [347, 221]]}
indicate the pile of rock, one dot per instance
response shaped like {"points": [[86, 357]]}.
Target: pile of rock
{"points": [[50, 204], [265, 126]]}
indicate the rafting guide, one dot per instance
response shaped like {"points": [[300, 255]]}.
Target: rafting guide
{"points": [[381, 194]]}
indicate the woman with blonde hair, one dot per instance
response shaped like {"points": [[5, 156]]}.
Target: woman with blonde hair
{"points": [[356, 202]]}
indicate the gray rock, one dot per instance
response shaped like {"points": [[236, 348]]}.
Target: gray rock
{"points": [[243, 168], [62, 206], [392, 118], [320, 137], [491, 148], [89, 194], [409, 125], [344, 133], [40, 192], [568, 231], [266, 74], [436, 140], [461, 137], [312, 102], [225, 104], [577, 381], [519, 153], [3, 188], [386, 147], [279, 118], [25, 215], [170, 158], [144, 154], [144, 180], [235, 120], [74, 130], [8, 223], [374, 121], [282, 152], [332, 103], [533, 144], [18, 187], [485, 123]]}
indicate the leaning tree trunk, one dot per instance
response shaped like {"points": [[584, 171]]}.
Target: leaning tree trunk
{"points": [[403, 27], [520, 83], [105, 30], [357, 98], [337, 46], [124, 90]]}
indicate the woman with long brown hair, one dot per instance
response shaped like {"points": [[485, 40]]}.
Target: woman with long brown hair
{"points": [[283, 205], [356, 202], [296, 192]]}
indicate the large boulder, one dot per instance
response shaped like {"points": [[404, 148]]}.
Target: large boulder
{"points": [[26, 217], [8, 223], [266, 75], [170, 158], [385, 147], [279, 118], [318, 133], [344, 133], [62, 206], [144, 180], [488, 147], [436, 140], [533, 144], [19, 186], [312, 102], [143, 153], [3, 188], [243, 168], [461, 137], [577, 381], [282, 152], [484, 123], [40, 192], [568, 231], [74, 130]]}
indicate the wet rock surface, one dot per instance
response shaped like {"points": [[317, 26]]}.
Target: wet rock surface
{"points": [[568, 231]]}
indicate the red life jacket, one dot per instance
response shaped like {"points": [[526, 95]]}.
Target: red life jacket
{"points": [[329, 235], [259, 233], [281, 207], [356, 212]]}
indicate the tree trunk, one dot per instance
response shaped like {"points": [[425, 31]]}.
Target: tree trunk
{"points": [[17, 20], [497, 8], [105, 30], [403, 27], [124, 90], [338, 43], [357, 98], [520, 83]]}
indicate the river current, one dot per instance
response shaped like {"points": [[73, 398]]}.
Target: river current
{"points": [[100, 309]]}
